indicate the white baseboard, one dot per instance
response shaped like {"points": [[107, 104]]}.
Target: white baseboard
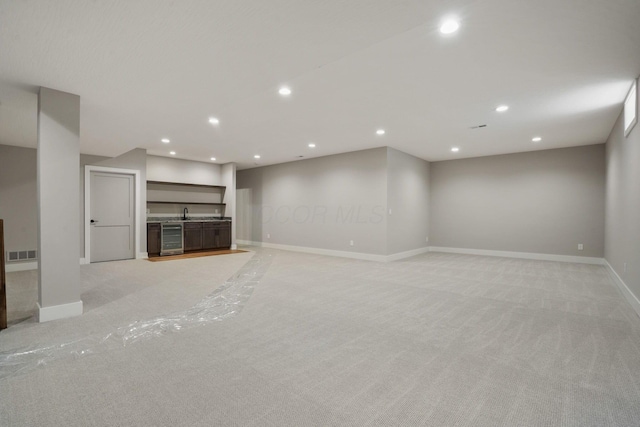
{"points": [[62, 311], [140, 255], [414, 252], [407, 254], [521, 255], [21, 266], [327, 252], [342, 254], [624, 289]]}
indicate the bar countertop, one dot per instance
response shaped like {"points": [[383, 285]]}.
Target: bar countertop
{"points": [[189, 219]]}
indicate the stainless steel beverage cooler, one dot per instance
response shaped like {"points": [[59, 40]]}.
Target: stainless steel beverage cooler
{"points": [[171, 240]]}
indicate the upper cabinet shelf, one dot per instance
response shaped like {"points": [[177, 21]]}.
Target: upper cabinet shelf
{"points": [[179, 193]]}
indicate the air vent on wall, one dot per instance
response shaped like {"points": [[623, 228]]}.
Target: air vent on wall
{"points": [[17, 256]]}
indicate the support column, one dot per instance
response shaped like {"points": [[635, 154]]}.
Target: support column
{"points": [[229, 180], [58, 201]]}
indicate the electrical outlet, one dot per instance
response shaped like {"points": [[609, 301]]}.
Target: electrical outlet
{"points": [[580, 246], [389, 211], [350, 242], [268, 236]]}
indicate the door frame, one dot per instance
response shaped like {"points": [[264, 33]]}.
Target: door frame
{"points": [[87, 207]]}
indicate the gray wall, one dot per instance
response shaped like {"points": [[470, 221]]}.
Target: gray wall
{"points": [[183, 171], [540, 202], [520, 202], [408, 201], [622, 242], [244, 215], [18, 197], [320, 203]]}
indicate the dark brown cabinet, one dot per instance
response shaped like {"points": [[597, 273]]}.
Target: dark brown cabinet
{"points": [[209, 235], [153, 239], [216, 235], [192, 236], [225, 235], [197, 236]]}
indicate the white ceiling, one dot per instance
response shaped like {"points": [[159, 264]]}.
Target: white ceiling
{"points": [[149, 69]]}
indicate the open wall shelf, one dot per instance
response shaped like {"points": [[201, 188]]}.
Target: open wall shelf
{"points": [[172, 198], [180, 184], [187, 203], [185, 194]]}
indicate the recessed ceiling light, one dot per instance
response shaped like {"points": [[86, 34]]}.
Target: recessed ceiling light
{"points": [[257, 156], [165, 140], [537, 139], [502, 108], [173, 153], [284, 91], [213, 159], [449, 26], [455, 149], [312, 145], [214, 121], [380, 131]]}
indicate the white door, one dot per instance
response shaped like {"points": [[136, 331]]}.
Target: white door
{"points": [[112, 216]]}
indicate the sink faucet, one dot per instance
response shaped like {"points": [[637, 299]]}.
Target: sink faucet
{"points": [[185, 211]]}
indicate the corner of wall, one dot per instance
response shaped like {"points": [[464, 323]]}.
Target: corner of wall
{"points": [[407, 199], [622, 208]]}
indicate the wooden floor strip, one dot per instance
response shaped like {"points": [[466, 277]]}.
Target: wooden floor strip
{"points": [[194, 255]]}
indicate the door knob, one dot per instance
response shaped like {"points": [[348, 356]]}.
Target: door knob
{"points": [[93, 221]]}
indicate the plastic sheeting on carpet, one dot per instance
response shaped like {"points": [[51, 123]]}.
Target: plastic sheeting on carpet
{"points": [[226, 301]]}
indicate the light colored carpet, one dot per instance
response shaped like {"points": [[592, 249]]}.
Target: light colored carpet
{"points": [[22, 295], [436, 340], [159, 258]]}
